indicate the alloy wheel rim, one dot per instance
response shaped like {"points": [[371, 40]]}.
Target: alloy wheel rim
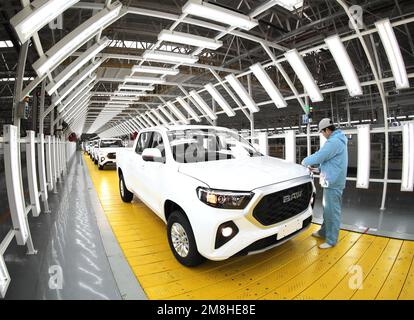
{"points": [[180, 239]]}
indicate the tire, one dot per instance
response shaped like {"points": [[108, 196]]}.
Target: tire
{"points": [[100, 167], [126, 195], [189, 255], [95, 161]]}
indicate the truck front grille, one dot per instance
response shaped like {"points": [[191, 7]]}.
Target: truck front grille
{"points": [[112, 155], [284, 204]]}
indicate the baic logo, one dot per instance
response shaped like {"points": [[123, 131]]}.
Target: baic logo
{"points": [[292, 196]]}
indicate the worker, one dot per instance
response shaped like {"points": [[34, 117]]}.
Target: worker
{"points": [[332, 159]]}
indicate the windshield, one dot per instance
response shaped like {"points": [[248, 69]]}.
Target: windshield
{"points": [[201, 145], [110, 144]]}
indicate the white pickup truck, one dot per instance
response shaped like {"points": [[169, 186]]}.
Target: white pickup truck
{"points": [[217, 194], [105, 151]]}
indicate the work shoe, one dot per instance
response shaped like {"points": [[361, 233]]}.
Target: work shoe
{"points": [[316, 234], [325, 246]]}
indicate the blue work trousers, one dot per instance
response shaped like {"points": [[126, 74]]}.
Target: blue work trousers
{"points": [[332, 212]]}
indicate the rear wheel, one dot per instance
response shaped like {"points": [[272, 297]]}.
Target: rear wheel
{"points": [[126, 195], [182, 241]]}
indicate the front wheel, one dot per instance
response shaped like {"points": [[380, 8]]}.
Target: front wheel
{"points": [[126, 195], [182, 241], [100, 167]]}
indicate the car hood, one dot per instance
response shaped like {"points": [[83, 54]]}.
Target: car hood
{"points": [[243, 174], [109, 150]]}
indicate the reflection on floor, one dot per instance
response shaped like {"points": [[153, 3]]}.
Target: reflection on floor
{"points": [[69, 244], [295, 270], [361, 210]]}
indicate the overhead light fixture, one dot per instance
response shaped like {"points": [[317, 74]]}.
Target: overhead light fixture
{"points": [[135, 87], [220, 100], [341, 57], [170, 57], [78, 79], [78, 90], [187, 108], [242, 93], [407, 178], [144, 80], [290, 5], [151, 116], [156, 70], [142, 122], [304, 75], [268, 85], [167, 115], [72, 68], [65, 47], [203, 105], [189, 39], [158, 115], [148, 121], [213, 12], [84, 96], [290, 146], [392, 49], [364, 156], [177, 112], [36, 15], [79, 95], [131, 99]]}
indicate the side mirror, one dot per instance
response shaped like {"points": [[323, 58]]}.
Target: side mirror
{"points": [[152, 155]]}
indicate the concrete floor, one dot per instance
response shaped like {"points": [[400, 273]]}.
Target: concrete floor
{"points": [[69, 243]]}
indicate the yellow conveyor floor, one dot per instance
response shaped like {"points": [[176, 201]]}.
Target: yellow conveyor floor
{"points": [[296, 270]]}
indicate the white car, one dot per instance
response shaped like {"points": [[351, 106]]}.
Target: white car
{"points": [[217, 194], [105, 152]]}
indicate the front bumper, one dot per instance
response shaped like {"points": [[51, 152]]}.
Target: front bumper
{"points": [[251, 236]]}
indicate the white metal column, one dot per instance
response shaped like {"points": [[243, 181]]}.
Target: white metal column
{"points": [[31, 173]]}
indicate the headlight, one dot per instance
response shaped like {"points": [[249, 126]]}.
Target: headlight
{"points": [[224, 199]]}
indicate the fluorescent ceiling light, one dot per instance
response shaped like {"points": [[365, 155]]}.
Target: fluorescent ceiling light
{"points": [[169, 57], [168, 116], [341, 57], [220, 100], [148, 121], [78, 79], [290, 145], [158, 115], [151, 116], [135, 87], [36, 15], [190, 110], [84, 96], [212, 12], [156, 70], [242, 93], [114, 98], [79, 89], [85, 91], [189, 39], [407, 178], [65, 47], [203, 105], [144, 124], [177, 112], [290, 5], [145, 80], [268, 85], [304, 75], [393, 52], [71, 69], [364, 156]]}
